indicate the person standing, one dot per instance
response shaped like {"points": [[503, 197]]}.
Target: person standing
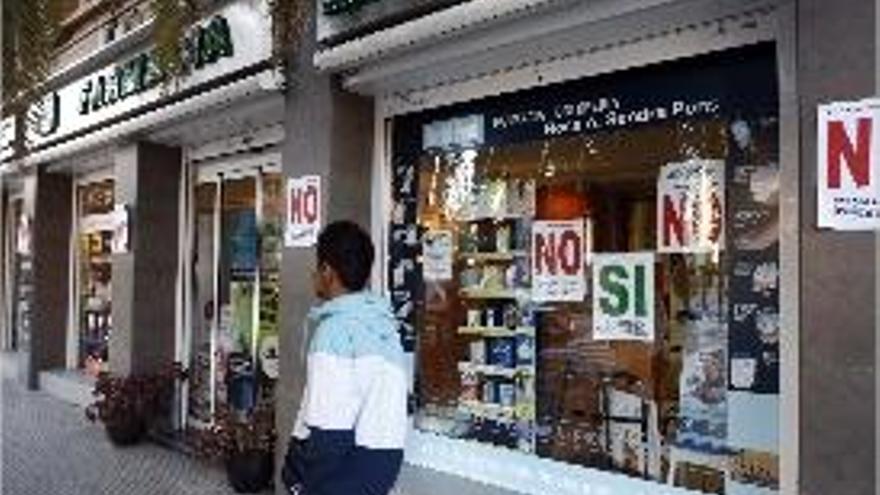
{"points": [[349, 434]]}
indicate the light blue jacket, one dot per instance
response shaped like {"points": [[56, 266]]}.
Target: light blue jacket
{"points": [[352, 422]]}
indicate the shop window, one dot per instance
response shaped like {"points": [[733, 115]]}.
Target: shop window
{"points": [[236, 287], [95, 231], [590, 275]]}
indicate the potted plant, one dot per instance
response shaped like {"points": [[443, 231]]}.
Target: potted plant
{"points": [[245, 442], [129, 405]]}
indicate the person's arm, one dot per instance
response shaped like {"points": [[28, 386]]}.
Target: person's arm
{"points": [[330, 407]]}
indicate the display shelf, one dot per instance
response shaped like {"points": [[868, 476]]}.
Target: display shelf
{"points": [[522, 294], [493, 256], [497, 331], [498, 371], [487, 410], [498, 218]]}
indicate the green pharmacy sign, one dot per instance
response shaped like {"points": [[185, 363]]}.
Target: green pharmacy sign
{"points": [[202, 46], [342, 7]]}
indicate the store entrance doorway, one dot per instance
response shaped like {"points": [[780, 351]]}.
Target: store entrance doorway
{"points": [[235, 279]]}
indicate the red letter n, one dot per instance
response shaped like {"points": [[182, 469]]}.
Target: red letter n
{"points": [[858, 158], [296, 206], [673, 221]]}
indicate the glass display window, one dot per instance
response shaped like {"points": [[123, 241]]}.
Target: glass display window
{"points": [[95, 237], [586, 273]]}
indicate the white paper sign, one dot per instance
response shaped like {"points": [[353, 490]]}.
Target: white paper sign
{"points": [[24, 236], [558, 261], [120, 229], [742, 373], [849, 169], [623, 296], [303, 211], [437, 250], [690, 207]]}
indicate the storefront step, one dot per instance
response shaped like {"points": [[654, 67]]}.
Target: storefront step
{"points": [[9, 364], [70, 386], [420, 481]]}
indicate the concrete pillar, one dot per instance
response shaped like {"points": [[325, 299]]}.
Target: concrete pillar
{"points": [[836, 52], [329, 133], [47, 201], [144, 279], [6, 343]]}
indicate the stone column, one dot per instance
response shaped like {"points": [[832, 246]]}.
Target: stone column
{"points": [[836, 61], [144, 279], [329, 133], [43, 330]]}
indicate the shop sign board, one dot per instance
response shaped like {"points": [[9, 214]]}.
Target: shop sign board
{"points": [[233, 38], [457, 133], [303, 211], [623, 296], [204, 45], [690, 207], [342, 19], [849, 165], [558, 261]]}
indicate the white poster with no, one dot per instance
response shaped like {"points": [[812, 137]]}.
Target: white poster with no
{"points": [[690, 207], [558, 261], [303, 211], [848, 180], [623, 296]]}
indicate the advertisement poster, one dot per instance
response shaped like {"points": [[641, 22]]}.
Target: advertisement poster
{"points": [[303, 211], [558, 261], [753, 247], [242, 242], [405, 279], [849, 169], [437, 250], [120, 229], [690, 207], [703, 406], [623, 296]]}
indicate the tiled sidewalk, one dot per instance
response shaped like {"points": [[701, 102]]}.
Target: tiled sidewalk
{"points": [[49, 448]]}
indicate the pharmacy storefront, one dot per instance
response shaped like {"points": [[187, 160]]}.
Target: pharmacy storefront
{"points": [[587, 261], [172, 190]]}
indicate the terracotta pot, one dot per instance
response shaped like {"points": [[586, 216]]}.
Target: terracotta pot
{"points": [[128, 431], [250, 471]]}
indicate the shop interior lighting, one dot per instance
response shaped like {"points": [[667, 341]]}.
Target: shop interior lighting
{"points": [[460, 184]]}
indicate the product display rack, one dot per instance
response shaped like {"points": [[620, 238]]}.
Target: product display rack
{"points": [[496, 371], [497, 331], [518, 294], [498, 379], [494, 256]]}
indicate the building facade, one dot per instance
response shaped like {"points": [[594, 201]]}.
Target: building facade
{"points": [[596, 222], [147, 206]]}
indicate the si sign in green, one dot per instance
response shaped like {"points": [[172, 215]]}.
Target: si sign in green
{"points": [[203, 45], [621, 295], [623, 302]]}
